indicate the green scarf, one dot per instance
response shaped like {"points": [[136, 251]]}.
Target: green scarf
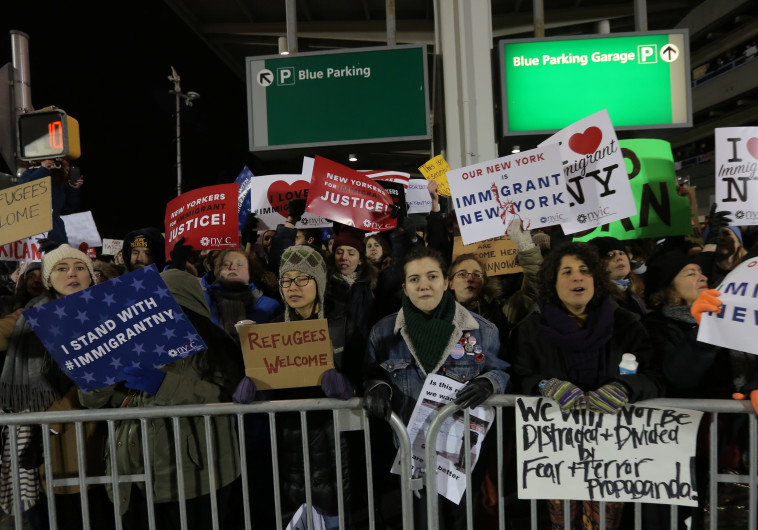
{"points": [[430, 334]]}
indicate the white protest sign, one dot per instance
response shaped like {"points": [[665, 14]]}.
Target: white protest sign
{"points": [[23, 249], [81, 228], [642, 454], [417, 196], [112, 247], [736, 327], [270, 196], [737, 173], [595, 174], [489, 195], [437, 392]]}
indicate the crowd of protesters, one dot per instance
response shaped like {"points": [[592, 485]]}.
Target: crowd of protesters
{"points": [[399, 307]]}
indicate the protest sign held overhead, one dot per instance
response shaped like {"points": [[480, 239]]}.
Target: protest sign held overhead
{"points": [[388, 176], [205, 217], [26, 210], [662, 211], [417, 198], [735, 327], [287, 354], [112, 247], [593, 169], [349, 197], [498, 254], [81, 228], [737, 173], [436, 169], [488, 196], [438, 391], [641, 454], [270, 197], [245, 182], [130, 320], [23, 249]]}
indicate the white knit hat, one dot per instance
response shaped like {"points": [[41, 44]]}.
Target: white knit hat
{"points": [[64, 251]]}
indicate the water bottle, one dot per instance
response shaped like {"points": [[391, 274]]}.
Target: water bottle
{"points": [[628, 364]]}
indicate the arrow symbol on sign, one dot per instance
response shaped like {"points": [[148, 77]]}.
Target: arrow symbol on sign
{"points": [[670, 51], [264, 78]]}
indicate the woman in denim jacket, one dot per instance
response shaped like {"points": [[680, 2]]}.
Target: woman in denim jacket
{"points": [[431, 334]]}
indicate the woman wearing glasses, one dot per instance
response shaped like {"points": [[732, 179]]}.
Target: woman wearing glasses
{"points": [[302, 282]]}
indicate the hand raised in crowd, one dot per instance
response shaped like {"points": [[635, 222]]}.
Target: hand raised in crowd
{"points": [[716, 221], [296, 209], [180, 254], [522, 238], [707, 301], [249, 234]]}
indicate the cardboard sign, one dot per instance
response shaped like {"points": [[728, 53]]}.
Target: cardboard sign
{"points": [[642, 454], [347, 196], [26, 210], [662, 211], [737, 173], [23, 250], [81, 228], [498, 254], [417, 198], [594, 171], [112, 247], [436, 169], [287, 354], [131, 320], [206, 217], [735, 326], [270, 197], [488, 196]]}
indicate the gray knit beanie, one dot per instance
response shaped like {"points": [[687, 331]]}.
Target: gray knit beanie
{"points": [[62, 252], [305, 259]]}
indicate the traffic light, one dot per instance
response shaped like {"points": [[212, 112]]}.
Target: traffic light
{"points": [[48, 133]]}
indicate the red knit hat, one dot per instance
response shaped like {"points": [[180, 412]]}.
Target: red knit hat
{"points": [[350, 237]]}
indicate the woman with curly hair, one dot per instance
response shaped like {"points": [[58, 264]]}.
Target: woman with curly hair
{"points": [[571, 349]]}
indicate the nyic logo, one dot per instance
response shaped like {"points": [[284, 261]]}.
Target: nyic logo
{"points": [[559, 218], [182, 351]]}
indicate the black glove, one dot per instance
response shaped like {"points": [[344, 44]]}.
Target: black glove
{"points": [[47, 245], [376, 400], [180, 254], [716, 221], [249, 232], [296, 209], [474, 393]]}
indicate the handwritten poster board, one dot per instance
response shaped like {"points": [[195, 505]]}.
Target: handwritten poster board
{"points": [[436, 169], [498, 254], [23, 249], [528, 185], [736, 166], [642, 454], [286, 354], [130, 320], [26, 210], [734, 327], [593, 167]]}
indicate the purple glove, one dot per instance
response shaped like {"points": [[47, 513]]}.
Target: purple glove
{"points": [[245, 391], [336, 385], [147, 380]]}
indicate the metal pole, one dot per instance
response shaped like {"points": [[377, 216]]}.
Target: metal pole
{"points": [[538, 12], [22, 89], [391, 22], [640, 15], [291, 14], [178, 93]]}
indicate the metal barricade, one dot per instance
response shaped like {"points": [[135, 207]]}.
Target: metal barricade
{"points": [[714, 407], [347, 416]]}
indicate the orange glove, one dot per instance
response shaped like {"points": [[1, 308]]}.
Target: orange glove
{"points": [[753, 398], [707, 302]]}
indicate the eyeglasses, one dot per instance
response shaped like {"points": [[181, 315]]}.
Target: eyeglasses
{"points": [[300, 281], [463, 274]]}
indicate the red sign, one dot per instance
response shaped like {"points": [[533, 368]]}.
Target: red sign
{"points": [[349, 197], [206, 217]]}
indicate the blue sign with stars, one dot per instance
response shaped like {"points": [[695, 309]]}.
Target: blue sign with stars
{"points": [[131, 320]]}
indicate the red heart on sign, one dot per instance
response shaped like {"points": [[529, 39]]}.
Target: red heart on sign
{"points": [[752, 147], [280, 193], [586, 143]]}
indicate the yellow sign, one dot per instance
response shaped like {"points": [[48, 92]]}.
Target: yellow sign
{"points": [[498, 254], [287, 354], [436, 169], [26, 210]]}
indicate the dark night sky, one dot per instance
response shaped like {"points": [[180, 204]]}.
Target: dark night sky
{"points": [[107, 65]]}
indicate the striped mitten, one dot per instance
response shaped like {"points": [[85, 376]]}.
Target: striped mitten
{"points": [[609, 398], [567, 395]]}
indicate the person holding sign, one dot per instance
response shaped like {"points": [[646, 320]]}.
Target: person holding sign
{"points": [[431, 334], [571, 349], [209, 376], [32, 381]]}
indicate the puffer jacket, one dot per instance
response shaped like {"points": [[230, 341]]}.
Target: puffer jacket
{"points": [[390, 357], [209, 376]]}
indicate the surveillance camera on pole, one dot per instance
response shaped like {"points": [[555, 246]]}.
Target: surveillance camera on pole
{"points": [[188, 98]]}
